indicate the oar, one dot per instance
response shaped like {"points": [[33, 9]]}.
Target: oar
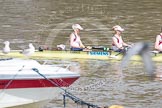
{"points": [[118, 53], [123, 52], [142, 49], [103, 48]]}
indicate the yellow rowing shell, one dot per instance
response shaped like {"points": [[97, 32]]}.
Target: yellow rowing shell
{"points": [[101, 55]]}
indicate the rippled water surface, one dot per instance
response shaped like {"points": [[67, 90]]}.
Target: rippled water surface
{"points": [[102, 83], [48, 22]]}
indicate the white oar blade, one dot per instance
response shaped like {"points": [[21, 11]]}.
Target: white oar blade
{"points": [[149, 65]]}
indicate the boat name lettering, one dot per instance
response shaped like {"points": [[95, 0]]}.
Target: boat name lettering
{"points": [[99, 53]]}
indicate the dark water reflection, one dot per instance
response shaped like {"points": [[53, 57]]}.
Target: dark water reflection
{"points": [[48, 22]]}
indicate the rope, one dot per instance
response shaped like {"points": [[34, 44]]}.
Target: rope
{"points": [[66, 93], [78, 100], [7, 85]]}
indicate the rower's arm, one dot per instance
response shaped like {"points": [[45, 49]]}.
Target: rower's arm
{"points": [[125, 44], [81, 44]]}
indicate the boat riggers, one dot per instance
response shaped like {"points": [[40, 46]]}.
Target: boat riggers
{"points": [[156, 52], [123, 51]]}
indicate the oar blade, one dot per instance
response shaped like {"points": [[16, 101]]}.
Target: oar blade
{"points": [[142, 49]]}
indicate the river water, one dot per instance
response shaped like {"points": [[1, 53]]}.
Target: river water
{"points": [[48, 22]]}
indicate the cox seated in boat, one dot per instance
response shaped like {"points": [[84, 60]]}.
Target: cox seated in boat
{"points": [[75, 41], [158, 42], [118, 45]]}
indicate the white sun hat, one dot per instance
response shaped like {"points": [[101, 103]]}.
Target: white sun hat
{"points": [[76, 26], [118, 28]]}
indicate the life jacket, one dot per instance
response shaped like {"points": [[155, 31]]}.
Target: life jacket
{"points": [[160, 42]]}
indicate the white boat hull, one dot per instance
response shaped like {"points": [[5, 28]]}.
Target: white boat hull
{"points": [[33, 97], [28, 84], [39, 104]]}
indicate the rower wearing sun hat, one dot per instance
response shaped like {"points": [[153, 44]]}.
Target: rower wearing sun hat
{"points": [[75, 41], [117, 42], [158, 42]]}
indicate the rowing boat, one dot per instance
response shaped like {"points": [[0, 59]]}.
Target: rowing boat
{"points": [[99, 55]]}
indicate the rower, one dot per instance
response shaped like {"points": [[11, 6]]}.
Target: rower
{"points": [[75, 41], [118, 45], [158, 42]]}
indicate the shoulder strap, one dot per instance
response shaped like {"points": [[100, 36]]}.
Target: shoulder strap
{"points": [[117, 39], [75, 37], [160, 41]]}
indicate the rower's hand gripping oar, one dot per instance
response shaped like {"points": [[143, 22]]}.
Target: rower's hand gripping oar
{"points": [[123, 51], [142, 49]]}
